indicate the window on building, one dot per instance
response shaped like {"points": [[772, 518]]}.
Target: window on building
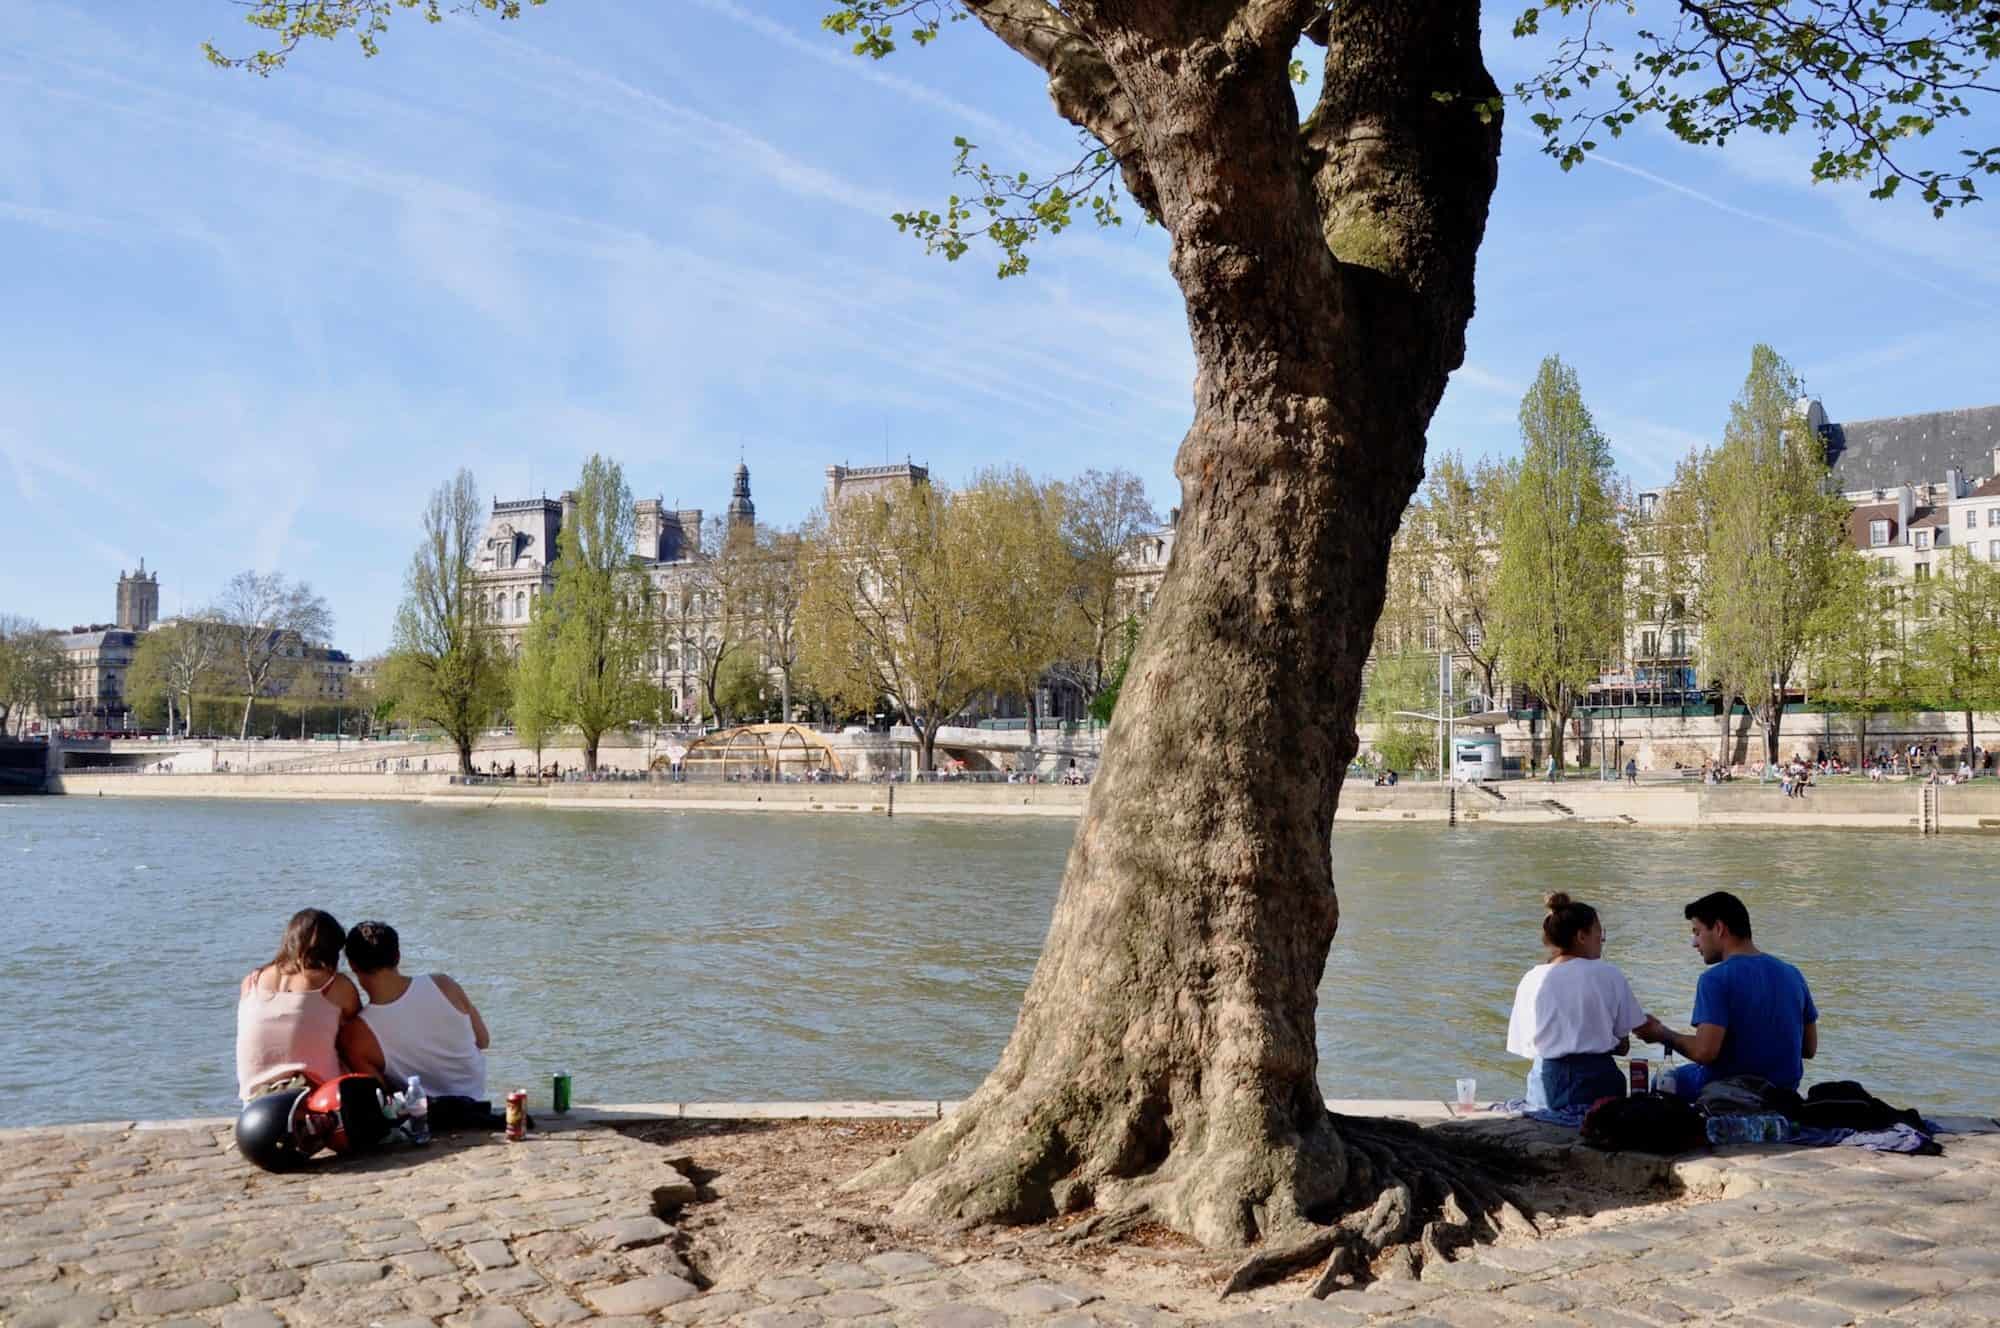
{"points": [[1647, 503], [1993, 516], [1921, 538], [1993, 550], [1677, 607], [1677, 643], [1923, 571], [1878, 533], [1971, 519], [1649, 645]]}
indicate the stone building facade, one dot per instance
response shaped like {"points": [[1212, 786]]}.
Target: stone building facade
{"points": [[520, 550]]}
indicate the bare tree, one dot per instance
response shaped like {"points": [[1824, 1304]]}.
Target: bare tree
{"points": [[267, 624], [1104, 512], [449, 666]]}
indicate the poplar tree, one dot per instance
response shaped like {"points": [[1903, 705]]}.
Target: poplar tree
{"points": [[1453, 531], [449, 667], [603, 612], [536, 705], [1774, 529], [1561, 581]]}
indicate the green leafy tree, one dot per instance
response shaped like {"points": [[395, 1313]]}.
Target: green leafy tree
{"points": [[1401, 683], [743, 687], [1326, 263], [1023, 582], [451, 665], [603, 611], [31, 671], [1959, 642], [1852, 637], [1773, 532], [1560, 586], [1105, 702], [891, 608], [536, 704]]}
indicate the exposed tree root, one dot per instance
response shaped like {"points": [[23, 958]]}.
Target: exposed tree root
{"points": [[1411, 1199]]}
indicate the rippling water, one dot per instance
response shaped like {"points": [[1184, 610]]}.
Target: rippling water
{"points": [[692, 956]]}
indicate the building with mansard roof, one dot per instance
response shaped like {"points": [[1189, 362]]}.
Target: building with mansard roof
{"points": [[520, 549]]}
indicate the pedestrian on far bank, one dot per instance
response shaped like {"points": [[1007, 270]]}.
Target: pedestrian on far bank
{"points": [[1549, 770], [1632, 771]]}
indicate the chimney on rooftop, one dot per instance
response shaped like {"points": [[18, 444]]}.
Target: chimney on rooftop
{"points": [[1954, 488], [1906, 502]]}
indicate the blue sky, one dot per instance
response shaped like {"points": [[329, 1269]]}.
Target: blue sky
{"points": [[252, 323]]}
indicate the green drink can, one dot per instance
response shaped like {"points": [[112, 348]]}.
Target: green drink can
{"points": [[560, 1095]]}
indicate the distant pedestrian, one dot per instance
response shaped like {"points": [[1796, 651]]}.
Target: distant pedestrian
{"points": [[1632, 771], [1549, 770]]}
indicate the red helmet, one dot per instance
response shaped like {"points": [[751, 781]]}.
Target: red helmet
{"points": [[345, 1114]]}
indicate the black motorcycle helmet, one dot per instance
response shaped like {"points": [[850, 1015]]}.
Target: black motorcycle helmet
{"points": [[264, 1132]]}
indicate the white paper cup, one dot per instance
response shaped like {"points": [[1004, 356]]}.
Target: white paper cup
{"points": [[1467, 1089]]}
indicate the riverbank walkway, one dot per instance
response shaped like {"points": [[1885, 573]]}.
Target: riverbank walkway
{"points": [[584, 1222]]}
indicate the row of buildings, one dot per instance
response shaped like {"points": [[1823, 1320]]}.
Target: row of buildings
{"points": [[93, 691]]}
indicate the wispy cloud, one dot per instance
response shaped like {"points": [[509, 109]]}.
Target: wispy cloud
{"points": [[1867, 253], [987, 129]]}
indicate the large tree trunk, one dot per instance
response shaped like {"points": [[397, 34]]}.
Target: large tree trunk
{"points": [[590, 741], [1165, 1056]]}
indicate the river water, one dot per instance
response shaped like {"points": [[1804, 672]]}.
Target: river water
{"points": [[706, 956]]}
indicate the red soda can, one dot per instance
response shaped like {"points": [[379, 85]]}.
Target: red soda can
{"points": [[1641, 1077], [517, 1116]]}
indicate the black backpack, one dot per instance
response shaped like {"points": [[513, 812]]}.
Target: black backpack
{"points": [[1846, 1105], [1648, 1123]]}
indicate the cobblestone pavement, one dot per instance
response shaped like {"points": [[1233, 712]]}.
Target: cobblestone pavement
{"points": [[169, 1226]]}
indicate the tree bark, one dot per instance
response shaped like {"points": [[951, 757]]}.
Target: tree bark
{"points": [[1165, 1054], [243, 730]]}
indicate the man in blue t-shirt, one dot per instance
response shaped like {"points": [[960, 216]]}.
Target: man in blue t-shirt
{"points": [[1753, 1013]]}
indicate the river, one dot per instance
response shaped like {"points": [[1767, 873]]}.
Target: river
{"points": [[712, 956]]}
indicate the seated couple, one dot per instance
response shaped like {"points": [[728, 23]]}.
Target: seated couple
{"points": [[300, 1021], [1753, 1013]]}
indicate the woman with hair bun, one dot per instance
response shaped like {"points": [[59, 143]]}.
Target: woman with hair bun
{"points": [[1573, 1013]]}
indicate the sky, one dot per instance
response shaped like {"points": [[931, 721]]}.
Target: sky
{"points": [[252, 323]]}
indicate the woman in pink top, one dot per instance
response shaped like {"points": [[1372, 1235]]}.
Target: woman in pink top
{"points": [[289, 1011]]}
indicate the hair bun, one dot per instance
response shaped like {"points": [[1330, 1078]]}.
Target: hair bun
{"points": [[1556, 901]]}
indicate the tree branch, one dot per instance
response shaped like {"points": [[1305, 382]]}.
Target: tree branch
{"points": [[1081, 84]]}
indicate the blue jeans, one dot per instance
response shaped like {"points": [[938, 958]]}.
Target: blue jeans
{"points": [[1558, 1082]]}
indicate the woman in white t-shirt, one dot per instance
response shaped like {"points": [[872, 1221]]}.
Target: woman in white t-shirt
{"points": [[1572, 1014]]}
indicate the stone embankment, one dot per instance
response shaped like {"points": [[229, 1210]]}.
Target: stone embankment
{"points": [[1895, 805], [1688, 804], [587, 1223], [940, 799]]}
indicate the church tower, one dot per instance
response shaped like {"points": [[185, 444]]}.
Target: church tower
{"points": [[742, 512], [138, 599]]}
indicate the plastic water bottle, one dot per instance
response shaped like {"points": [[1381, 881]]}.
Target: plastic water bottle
{"points": [[416, 1112], [1764, 1128], [1664, 1075]]}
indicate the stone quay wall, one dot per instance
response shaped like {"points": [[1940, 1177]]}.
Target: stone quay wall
{"points": [[1685, 804], [942, 799]]}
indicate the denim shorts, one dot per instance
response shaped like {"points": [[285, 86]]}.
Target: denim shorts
{"points": [[1557, 1082]]}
